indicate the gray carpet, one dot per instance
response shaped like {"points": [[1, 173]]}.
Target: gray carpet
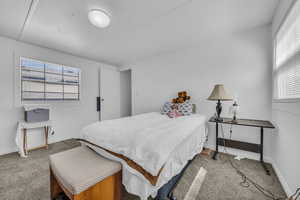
{"points": [[223, 183], [28, 179]]}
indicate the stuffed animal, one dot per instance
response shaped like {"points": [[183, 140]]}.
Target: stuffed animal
{"points": [[182, 97]]}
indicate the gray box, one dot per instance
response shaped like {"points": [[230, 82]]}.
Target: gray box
{"points": [[37, 115]]}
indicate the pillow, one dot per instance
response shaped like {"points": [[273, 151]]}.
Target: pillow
{"points": [[167, 107], [174, 113], [185, 108]]}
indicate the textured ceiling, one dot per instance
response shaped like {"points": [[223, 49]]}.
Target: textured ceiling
{"points": [[140, 28]]}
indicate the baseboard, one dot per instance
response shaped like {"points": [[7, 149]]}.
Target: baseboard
{"points": [[206, 152], [51, 141], [281, 178], [8, 151], [231, 151]]}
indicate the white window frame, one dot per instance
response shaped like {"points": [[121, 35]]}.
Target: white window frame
{"points": [[45, 100], [275, 99]]}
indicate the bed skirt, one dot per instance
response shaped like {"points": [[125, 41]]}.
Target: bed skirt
{"points": [[166, 191]]}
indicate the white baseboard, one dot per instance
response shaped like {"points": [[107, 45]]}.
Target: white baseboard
{"points": [[50, 141], [8, 151], [281, 178], [255, 156], [246, 154]]}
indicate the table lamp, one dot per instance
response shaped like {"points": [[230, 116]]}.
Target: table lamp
{"points": [[233, 110], [219, 94]]}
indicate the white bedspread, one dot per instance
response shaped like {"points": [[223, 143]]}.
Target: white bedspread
{"points": [[153, 141]]}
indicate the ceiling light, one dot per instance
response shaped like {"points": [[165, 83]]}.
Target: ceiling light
{"points": [[99, 18]]}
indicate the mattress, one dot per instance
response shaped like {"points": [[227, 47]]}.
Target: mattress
{"points": [[184, 149]]}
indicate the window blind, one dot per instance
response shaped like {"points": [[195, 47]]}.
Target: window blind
{"points": [[48, 81], [286, 70]]}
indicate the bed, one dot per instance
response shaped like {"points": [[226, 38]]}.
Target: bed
{"points": [[159, 145]]}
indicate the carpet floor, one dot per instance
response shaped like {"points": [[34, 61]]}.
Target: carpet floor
{"points": [[28, 178]]}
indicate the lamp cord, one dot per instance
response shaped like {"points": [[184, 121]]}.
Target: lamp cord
{"points": [[296, 195], [246, 181]]}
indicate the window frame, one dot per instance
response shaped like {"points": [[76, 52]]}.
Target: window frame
{"points": [[20, 83], [275, 98]]}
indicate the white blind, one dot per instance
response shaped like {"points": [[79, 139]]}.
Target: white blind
{"points": [[48, 81], [287, 57]]}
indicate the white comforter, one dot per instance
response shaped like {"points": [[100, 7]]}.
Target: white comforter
{"points": [[149, 139]]}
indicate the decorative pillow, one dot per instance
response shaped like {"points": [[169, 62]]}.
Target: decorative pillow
{"points": [[174, 113], [174, 106], [185, 108], [167, 107]]}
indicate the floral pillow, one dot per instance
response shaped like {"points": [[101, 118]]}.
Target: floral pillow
{"points": [[167, 107], [174, 113], [185, 108], [170, 109]]}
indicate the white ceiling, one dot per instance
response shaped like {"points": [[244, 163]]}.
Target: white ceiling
{"points": [[140, 28]]}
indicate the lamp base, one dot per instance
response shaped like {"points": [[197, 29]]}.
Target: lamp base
{"points": [[219, 110], [234, 120]]}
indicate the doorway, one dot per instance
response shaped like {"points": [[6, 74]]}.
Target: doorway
{"points": [[125, 93]]}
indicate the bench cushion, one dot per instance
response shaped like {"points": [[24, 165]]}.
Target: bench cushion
{"points": [[80, 168]]}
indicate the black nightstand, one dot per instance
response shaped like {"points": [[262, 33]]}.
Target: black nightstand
{"points": [[256, 148]]}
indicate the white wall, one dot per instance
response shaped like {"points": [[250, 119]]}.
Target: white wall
{"points": [[242, 62], [286, 116], [68, 117], [125, 93]]}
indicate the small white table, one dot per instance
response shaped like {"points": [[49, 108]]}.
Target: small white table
{"points": [[21, 137]]}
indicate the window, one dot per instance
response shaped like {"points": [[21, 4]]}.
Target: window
{"points": [[48, 81], [286, 71]]}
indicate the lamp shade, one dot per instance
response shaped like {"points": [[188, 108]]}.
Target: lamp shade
{"points": [[219, 93]]}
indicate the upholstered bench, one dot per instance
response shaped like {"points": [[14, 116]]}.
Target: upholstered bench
{"points": [[84, 175]]}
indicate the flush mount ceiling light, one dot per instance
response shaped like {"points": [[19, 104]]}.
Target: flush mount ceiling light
{"points": [[99, 18]]}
